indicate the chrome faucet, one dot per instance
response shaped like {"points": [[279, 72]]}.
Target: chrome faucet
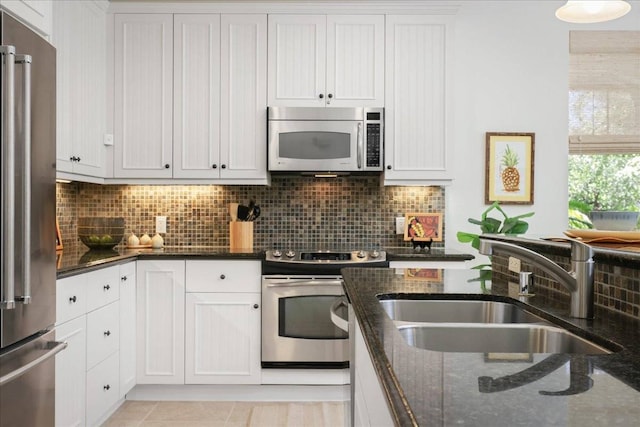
{"points": [[578, 281]]}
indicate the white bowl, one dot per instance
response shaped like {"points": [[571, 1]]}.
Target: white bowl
{"points": [[614, 220]]}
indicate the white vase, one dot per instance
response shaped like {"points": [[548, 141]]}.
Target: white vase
{"points": [[157, 242]]}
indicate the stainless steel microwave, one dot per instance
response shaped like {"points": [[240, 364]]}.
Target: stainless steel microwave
{"points": [[325, 139]]}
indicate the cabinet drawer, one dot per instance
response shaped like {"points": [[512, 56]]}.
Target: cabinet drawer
{"points": [[103, 333], [71, 298], [223, 276], [103, 287], [102, 389]]}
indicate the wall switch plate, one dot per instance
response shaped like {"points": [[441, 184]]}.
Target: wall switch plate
{"points": [[161, 224], [514, 264], [399, 225], [108, 139]]}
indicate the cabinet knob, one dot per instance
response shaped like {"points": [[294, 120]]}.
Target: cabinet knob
{"points": [[330, 96], [223, 166], [222, 276], [78, 159], [167, 166], [214, 166], [321, 96], [106, 287], [389, 167], [123, 278], [72, 158], [256, 306], [73, 299], [107, 333], [107, 387]]}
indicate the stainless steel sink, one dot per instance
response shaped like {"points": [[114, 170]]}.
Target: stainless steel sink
{"points": [[456, 311], [496, 338]]}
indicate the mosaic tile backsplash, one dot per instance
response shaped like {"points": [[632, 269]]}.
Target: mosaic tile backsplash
{"points": [[617, 288], [299, 211]]}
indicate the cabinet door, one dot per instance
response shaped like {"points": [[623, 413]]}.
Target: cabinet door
{"points": [[418, 79], [102, 390], [355, 61], [71, 373], [80, 40], [196, 134], [35, 13], [160, 322], [297, 60], [103, 333], [127, 327], [223, 338], [243, 97], [143, 96]]}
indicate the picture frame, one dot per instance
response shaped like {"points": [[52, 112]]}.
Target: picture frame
{"points": [[59, 245], [423, 227], [509, 168], [423, 274]]}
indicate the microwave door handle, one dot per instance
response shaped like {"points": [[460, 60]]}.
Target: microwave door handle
{"points": [[7, 107], [360, 146], [25, 61]]}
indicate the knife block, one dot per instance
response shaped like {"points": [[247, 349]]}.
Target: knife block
{"points": [[241, 235]]}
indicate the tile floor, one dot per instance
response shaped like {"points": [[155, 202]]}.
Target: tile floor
{"points": [[227, 414]]}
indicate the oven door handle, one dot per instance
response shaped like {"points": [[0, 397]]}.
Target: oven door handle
{"points": [[304, 283], [335, 318]]}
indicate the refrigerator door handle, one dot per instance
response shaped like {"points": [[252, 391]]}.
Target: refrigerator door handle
{"points": [[55, 348], [7, 118], [25, 61]]}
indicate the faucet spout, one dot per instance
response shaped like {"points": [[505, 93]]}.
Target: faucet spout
{"points": [[579, 281]]}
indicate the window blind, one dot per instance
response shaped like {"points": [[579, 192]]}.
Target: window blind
{"points": [[604, 92]]}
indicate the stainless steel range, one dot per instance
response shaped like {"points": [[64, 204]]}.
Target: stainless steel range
{"points": [[301, 293]]}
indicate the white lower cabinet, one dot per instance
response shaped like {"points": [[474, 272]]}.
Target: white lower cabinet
{"points": [[127, 327], [102, 389], [160, 298], [222, 341], [71, 366]]}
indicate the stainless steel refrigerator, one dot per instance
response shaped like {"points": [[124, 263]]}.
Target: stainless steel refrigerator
{"points": [[28, 288]]}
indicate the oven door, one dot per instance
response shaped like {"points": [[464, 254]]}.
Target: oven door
{"points": [[297, 331], [308, 145]]}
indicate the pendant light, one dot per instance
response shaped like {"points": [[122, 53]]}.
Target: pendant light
{"points": [[590, 11]]}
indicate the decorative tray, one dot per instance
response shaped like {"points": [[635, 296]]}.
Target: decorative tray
{"points": [[605, 236], [139, 246]]}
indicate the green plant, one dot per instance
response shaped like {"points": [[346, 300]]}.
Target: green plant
{"points": [[491, 225]]}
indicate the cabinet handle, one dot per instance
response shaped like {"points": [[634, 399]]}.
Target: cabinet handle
{"points": [[222, 276], [223, 166], [389, 167], [73, 299], [107, 333], [107, 387], [321, 96], [330, 96], [256, 306], [78, 159], [214, 166], [167, 166], [106, 288], [123, 278]]}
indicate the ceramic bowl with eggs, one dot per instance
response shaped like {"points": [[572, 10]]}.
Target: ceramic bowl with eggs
{"points": [[614, 220]]}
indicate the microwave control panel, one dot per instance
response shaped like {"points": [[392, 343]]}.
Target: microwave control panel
{"points": [[374, 126]]}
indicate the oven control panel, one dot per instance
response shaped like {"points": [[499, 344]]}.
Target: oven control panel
{"points": [[312, 257]]}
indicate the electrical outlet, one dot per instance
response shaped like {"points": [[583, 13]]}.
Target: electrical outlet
{"points": [[514, 264], [399, 225], [161, 224]]}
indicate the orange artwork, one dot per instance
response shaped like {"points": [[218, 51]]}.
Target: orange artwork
{"points": [[422, 227], [424, 274]]}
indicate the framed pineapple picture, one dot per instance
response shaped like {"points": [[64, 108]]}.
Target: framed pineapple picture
{"points": [[509, 173]]}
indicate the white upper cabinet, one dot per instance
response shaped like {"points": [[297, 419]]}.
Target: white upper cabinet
{"points": [[326, 60], [418, 92], [35, 13], [79, 35], [143, 119], [220, 96]]}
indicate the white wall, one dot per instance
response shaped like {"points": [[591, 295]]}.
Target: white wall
{"points": [[512, 76]]}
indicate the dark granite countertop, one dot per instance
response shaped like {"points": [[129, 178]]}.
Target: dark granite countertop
{"points": [[627, 254], [427, 388], [408, 253], [79, 259]]}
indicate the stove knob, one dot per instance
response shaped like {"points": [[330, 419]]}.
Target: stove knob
{"points": [[290, 254], [276, 253], [362, 254], [375, 254]]}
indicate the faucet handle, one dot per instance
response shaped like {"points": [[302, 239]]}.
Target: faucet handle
{"points": [[580, 252]]}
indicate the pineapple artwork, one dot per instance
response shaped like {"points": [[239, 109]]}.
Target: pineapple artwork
{"points": [[510, 175]]}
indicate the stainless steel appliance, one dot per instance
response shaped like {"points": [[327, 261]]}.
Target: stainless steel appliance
{"points": [[27, 291], [301, 291], [310, 139]]}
